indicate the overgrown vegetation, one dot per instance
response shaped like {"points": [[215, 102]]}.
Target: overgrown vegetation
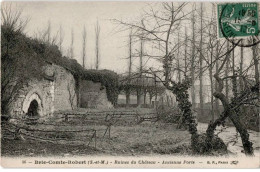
{"points": [[19, 64], [23, 58], [108, 79], [159, 27]]}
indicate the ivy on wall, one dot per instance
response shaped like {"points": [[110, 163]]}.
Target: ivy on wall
{"points": [[46, 52], [108, 79]]}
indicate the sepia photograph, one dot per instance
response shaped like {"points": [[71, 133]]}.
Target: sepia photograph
{"points": [[130, 84]]}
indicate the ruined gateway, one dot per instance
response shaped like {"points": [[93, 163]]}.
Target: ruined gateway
{"points": [[58, 90]]}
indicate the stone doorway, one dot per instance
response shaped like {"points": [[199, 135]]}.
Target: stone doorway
{"points": [[32, 105], [33, 110]]}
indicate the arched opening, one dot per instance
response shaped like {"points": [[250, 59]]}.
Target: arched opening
{"points": [[32, 105], [33, 110]]}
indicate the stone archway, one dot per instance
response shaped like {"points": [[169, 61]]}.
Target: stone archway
{"points": [[32, 105], [33, 110]]}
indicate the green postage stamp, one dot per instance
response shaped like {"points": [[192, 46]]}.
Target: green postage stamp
{"points": [[238, 19]]}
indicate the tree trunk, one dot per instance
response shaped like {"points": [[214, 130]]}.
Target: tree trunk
{"points": [[150, 98], [72, 45], [247, 145], [234, 79], [241, 84], [156, 92], [256, 64], [229, 111], [211, 91], [216, 85], [227, 71], [193, 62], [127, 94], [84, 35], [201, 65], [185, 105], [185, 55], [178, 59], [97, 32], [257, 75], [145, 97], [138, 94]]}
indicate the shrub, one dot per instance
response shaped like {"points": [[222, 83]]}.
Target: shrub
{"points": [[169, 114], [107, 78], [22, 60]]}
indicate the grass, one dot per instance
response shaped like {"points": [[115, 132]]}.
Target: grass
{"points": [[143, 139]]}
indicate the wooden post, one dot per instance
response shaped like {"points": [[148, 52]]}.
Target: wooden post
{"points": [[16, 133], [107, 129], [66, 118], [109, 132], [95, 137]]}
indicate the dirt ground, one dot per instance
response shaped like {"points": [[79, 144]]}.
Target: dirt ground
{"points": [[232, 139], [147, 138], [144, 139]]}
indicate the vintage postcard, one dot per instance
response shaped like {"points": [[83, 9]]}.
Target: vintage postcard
{"points": [[127, 84]]}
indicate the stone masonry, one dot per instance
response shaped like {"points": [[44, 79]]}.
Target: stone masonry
{"points": [[57, 91], [54, 92], [93, 95]]}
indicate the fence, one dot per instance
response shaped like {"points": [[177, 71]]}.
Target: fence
{"points": [[111, 117], [59, 130], [48, 132]]}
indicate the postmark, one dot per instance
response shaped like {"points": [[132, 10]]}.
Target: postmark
{"points": [[239, 23]]}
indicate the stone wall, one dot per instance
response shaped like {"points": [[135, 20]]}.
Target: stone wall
{"points": [[56, 91], [65, 97], [93, 95], [40, 90]]}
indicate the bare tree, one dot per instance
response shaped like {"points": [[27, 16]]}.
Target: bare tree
{"points": [[178, 58], [234, 73], [201, 61], [166, 20], [140, 79], [241, 85], [231, 104], [12, 18], [46, 35], [48, 31], [72, 44], [186, 55], [230, 109], [212, 43], [192, 67], [61, 38], [256, 58], [227, 71], [128, 91], [84, 36], [97, 31], [158, 26], [216, 85]]}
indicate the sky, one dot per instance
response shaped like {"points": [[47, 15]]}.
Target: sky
{"points": [[75, 15]]}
